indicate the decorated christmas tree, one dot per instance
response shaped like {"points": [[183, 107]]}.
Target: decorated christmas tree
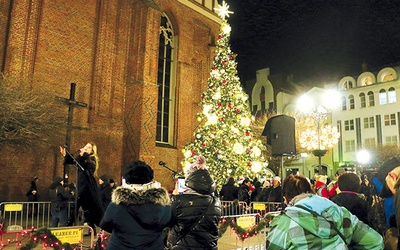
{"points": [[224, 135]]}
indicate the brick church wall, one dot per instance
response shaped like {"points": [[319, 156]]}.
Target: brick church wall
{"points": [[109, 49]]}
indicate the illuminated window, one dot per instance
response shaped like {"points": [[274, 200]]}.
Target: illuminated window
{"points": [[388, 77], [363, 103], [382, 97], [166, 83], [392, 95], [366, 81]]}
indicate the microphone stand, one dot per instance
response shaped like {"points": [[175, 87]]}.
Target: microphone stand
{"points": [[174, 173], [77, 166]]}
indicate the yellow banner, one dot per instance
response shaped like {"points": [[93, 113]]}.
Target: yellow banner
{"points": [[12, 207], [246, 221], [71, 236], [259, 206]]}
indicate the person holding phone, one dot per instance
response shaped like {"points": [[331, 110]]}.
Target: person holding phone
{"points": [[195, 212]]}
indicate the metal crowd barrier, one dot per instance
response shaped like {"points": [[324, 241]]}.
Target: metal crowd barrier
{"points": [[19, 218], [255, 212], [27, 215], [235, 208]]}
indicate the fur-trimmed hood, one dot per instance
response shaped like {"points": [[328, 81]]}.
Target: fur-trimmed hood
{"points": [[129, 196], [145, 206]]}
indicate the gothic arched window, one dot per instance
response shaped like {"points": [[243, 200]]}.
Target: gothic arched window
{"points": [[166, 83]]}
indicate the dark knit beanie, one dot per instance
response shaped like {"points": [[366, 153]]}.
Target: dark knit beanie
{"points": [[138, 172]]}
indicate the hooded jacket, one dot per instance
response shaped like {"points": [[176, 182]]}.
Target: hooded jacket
{"points": [[188, 207], [136, 218], [297, 228]]}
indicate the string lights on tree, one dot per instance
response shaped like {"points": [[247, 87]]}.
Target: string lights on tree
{"points": [[224, 135]]}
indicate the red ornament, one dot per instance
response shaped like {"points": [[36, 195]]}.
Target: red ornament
{"points": [[230, 57], [219, 105], [249, 164], [237, 110], [247, 133], [229, 105], [224, 63], [203, 144], [220, 37], [222, 119], [223, 82]]}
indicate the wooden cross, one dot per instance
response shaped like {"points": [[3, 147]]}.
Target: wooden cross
{"points": [[71, 103]]}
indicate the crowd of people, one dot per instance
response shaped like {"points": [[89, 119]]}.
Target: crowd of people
{"points": [[140, 214], [367, 198], [351, 211], [247, 190]]}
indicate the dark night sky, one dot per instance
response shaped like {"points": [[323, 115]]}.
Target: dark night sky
{"points": [[315, 40]]}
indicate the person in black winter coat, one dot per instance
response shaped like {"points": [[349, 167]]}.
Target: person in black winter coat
{"points": [[275, 194], [139, 211], [59, 203], [32, 195], [244, 191], [349, 185], [229, 191], [196, 212], [264, 194], [32, 192], [88, 195], [105, 190]]}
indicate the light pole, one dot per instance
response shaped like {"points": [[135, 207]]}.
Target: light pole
{"points": [[325, 136], [319, 114]]}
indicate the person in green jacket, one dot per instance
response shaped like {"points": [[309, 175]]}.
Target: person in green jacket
{"points": [[313, 222]]}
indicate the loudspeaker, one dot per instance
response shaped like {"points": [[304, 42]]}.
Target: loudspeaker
{"points": [[280, 132]]}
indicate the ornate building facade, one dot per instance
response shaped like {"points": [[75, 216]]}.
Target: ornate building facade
{"points": [[367, 116]]}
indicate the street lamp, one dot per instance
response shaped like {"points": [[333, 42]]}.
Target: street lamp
{"points": [[363, 157], [325, 136]]}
